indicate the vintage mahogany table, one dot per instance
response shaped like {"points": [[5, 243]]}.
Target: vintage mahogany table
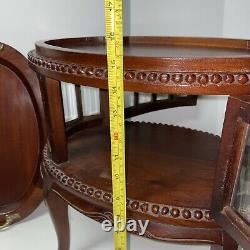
{"points": [[186, 182]]}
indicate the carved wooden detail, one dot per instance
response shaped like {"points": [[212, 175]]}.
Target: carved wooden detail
{"points": [[151, 77], [154, 65], [156, 210]]}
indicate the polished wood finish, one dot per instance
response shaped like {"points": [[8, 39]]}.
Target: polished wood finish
{"points": [[227, 243], [22, 137], [91, 147], [171, 172], [77, 125], [79, 101], [151, 64], [59, 209], [104, 106], [168, 204], [53, 99], [232, 147]]}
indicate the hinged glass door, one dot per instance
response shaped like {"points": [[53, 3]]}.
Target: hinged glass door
{"points": [[231, 199]]}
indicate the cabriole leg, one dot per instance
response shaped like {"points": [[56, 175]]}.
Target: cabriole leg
{"points": [[58, 209]]}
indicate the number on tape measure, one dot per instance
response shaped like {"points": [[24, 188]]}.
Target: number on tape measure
{"points": [[114, 39]]}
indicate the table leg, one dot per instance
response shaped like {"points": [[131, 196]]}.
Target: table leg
{"points": [[228, 243], [104, 102], [58, 209]]}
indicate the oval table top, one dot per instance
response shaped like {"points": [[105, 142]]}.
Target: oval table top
{"points": [[174, 65]]}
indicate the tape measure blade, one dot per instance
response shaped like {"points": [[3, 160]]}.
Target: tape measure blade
{"points": [[114, 38]]}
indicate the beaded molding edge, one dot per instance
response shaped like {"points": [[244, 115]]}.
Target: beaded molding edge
{"points": [[152, 77], [156, 210]]}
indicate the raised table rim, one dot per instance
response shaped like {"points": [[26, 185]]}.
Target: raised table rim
{"points": [[171, 75]]}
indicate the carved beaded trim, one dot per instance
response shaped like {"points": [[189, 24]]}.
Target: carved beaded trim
{"points": [[156, 210], [156, 77]]}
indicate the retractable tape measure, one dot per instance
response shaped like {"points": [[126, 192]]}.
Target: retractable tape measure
{"points": [[114, 40]]}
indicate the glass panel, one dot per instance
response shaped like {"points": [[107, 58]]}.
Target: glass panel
{"points": [[241, 201], [69, 101], [90, 101], [145, 97], [128, 99], [162, 97]]}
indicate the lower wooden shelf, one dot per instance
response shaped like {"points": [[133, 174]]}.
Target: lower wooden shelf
{"points": [[170, 175]]}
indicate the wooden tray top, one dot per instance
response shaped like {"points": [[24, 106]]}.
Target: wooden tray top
{"points": [[174, 65]]}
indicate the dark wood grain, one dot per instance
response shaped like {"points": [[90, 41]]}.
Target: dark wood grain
{"points": [[151, 64], [172, 178], [79, 102], [92, 147], [55, 113], [166, 199], [22, 136], [232, 147], [227, 243], [104, 106], [58, 209], [77, 125]]}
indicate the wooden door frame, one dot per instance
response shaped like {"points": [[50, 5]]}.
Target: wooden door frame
{"points": [[235, 132]]}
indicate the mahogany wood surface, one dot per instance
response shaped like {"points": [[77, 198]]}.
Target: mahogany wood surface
{"points": [[171, 65], [104, 107], [77, 125], [22, 136], [54, 108], [160, 152], [157, 231], [171, 176], [227, 243], [59, 213], [178, 177], [232, 147]]}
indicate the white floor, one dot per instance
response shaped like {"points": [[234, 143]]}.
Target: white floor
{"points": [[37, 233]]}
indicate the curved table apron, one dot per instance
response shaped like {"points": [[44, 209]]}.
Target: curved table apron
{"points": [[157, 65]]}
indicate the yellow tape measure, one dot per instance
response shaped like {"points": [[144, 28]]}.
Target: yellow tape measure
{"points": [[114, 38]]}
